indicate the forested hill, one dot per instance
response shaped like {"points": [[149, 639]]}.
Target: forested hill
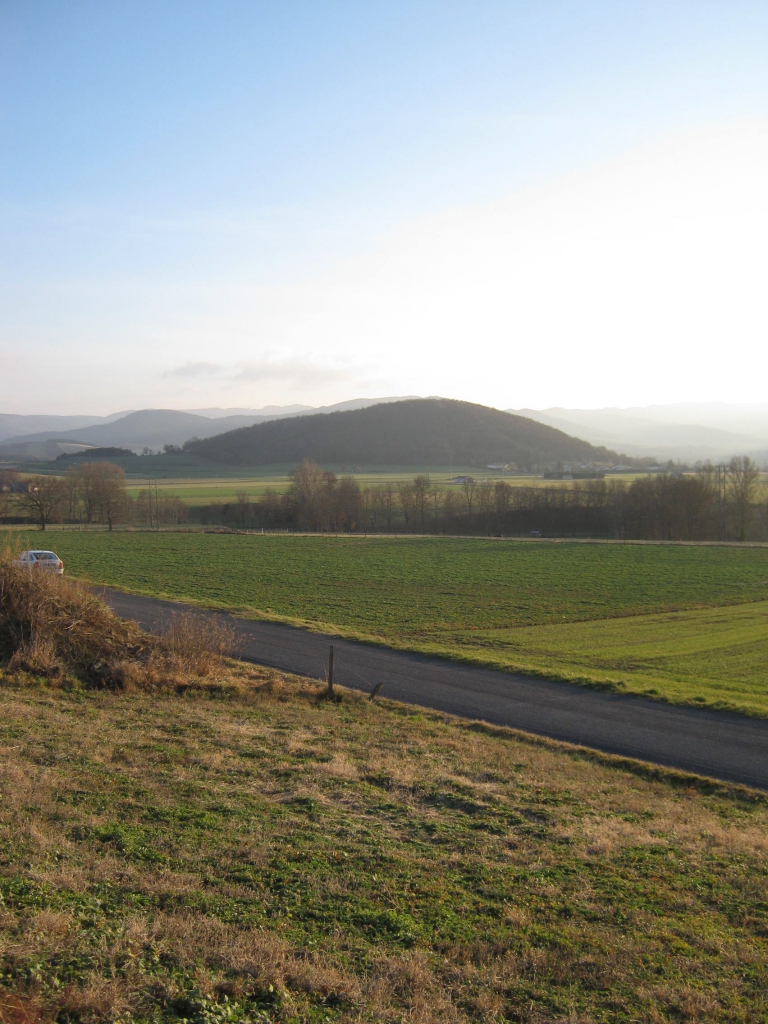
{"points": [[419, 432]]}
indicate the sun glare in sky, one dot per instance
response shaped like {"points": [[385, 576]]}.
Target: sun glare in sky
{"points": [[518, 204]]}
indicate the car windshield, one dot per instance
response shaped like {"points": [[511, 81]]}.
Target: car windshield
{"points": [[45, 554]]}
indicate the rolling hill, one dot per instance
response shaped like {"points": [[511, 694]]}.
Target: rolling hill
{"points": [[153, 428], [42, 427], [419, 432]]}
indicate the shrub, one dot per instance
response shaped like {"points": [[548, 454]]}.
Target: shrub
{"points": [[196, 643], [57, 627]]}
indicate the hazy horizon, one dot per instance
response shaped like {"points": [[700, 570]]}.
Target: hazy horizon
{"points": [[526, 206], [684, 431]]}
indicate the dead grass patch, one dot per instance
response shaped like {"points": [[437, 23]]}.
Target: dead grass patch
{"points": [[55, 628], [18, 1008], [253, 853]]}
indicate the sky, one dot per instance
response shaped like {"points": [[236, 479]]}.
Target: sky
{"points": [[241, 204]]}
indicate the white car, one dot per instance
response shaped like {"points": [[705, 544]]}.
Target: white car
{"points": [[42, 561]]}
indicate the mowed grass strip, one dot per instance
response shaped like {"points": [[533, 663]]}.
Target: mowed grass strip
{"points": [[685, 624], [268, 856]]}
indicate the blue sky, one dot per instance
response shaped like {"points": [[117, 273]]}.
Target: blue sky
{"points": [[214, 203]]}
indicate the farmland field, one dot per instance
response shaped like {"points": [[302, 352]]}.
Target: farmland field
{"points": [[199, 482], [687, 624], [194, 491]]}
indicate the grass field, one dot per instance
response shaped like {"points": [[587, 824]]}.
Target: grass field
{"points": [[688, 624], [264, 856], [196, 491], [207, 491], [198, 481]]}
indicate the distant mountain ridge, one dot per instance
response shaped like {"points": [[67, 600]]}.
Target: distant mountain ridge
{"points": [[13, 425], [148, 428], [154, 428], [413, 432], [713, 430], [687, 432]]}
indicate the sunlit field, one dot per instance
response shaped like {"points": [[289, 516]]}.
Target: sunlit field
{"points": [[211, 490], [199, 482], [686, 624], [226, 489]]}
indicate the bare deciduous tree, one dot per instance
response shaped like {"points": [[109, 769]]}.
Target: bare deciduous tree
{"points": [[349, 503], [307, 479], [437, 495], [9, 478], [696, 497], [83, 490], [387, 500], [8, 481], [502, 493], [421, 489], [485, 501], [43, 499], [100, 488], [469, 486], [407, 500], [243, 507], [743, 475]]}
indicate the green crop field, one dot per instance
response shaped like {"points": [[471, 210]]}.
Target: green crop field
{"points": [[195, 491], [210, 490], [199, 482], [686, 624]]}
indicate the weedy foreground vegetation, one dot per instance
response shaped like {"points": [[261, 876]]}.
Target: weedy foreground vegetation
{"points": [[685, 624], [198, 840]]}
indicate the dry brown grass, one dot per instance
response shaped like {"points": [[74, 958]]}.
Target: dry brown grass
{"points": [[57, 628], [253, 848], [196, 644], [16, 1008]]}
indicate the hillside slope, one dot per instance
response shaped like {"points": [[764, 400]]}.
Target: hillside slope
{"points": [[428, 432], [42, 427], [150, 428], [153, 428]]}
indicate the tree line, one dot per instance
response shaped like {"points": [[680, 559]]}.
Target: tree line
{"points": [[713, 503], [94, 492]]}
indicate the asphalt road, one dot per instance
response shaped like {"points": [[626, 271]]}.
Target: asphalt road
{"points": [[712, 743]]}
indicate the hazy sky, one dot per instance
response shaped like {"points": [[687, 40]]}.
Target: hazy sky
{"points": [[249, 203]]}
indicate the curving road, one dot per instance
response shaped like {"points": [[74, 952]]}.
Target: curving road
{"points": [[713, 743]]}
